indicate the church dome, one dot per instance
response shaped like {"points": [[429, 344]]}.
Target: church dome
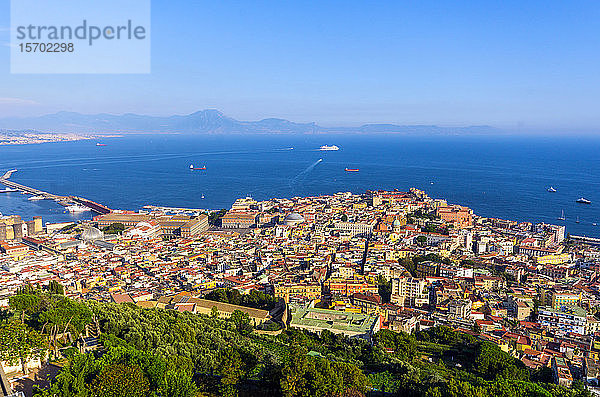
{"points": [[92, 234], [293, 219]]}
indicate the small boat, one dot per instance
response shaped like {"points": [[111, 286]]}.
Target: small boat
{"points": [[329, 148], [594, 224], [351, 169], [577, 221], [100, 144], [562, 216], [583, 200], [551, 189], [36, 198], [197, 168], [202, 197], [8, 190]]}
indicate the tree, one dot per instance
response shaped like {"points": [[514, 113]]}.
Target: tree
{"points": [[114, 228], [493, 363], [4, 315], [178, 384], [422, 240], [214, 312], [292, 374], [54, 287], [214, 217], [231, 370], [344, 218], [384, 288], [120, 380], [402, 344], [242, 321], [18, 342]]}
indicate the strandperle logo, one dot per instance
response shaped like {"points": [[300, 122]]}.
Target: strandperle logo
{"points": [[80, 36], [85, 31]]}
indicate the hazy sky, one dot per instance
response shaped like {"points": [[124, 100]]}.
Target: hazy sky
{"points": [[511, 64]]}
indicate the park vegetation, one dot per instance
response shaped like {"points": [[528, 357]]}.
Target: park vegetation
{"points": [[157, 352]]}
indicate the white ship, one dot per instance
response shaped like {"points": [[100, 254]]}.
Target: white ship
{"points": [[76, 208], [329, 148], [36, 198]]}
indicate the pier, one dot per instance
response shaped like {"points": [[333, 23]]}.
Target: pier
{"points": [[176, 210], [62, 200], [4, 180], [586, 240]]}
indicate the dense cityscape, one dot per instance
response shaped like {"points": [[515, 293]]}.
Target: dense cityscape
{"points": [[362, 267]]}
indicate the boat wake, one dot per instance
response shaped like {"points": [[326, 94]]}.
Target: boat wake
{"points": [[308, 169]]}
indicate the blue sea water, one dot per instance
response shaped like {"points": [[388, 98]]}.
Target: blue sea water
{"points": [[499, 176]]}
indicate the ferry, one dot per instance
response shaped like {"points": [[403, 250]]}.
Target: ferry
{"points": [[351, 169], [36, 198], [197, 168], [8, 190], [551, 189], [583, 200], [329, 148], [100, 144], [77, 208]]}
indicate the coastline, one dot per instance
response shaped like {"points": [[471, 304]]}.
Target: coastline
{"points": [[30, 138]]}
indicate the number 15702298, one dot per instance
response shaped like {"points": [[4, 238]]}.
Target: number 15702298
{"points": [[46, 47]]}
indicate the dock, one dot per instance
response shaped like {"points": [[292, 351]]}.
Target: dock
{"points": [[176, 210], [62, 200], [586, 240], [4, 180]]}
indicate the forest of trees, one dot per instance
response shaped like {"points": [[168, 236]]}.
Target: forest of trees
{"points": [[156, 352], [255, 299]]}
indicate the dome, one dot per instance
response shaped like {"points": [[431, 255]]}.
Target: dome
{"points": [[396, 223], [293, 219], [92, 234]]}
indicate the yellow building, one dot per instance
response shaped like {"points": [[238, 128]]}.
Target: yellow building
{"points": [[565, 298], [553, 259], [16, 251], [287, 291]]}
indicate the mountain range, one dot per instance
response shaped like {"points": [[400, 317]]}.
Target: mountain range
{"points": [[209, 121]]}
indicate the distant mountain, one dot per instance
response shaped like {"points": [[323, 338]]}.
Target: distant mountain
{"points": [[208, 121]]}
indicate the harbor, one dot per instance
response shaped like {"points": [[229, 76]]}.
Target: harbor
{"points": [[71, 203]]}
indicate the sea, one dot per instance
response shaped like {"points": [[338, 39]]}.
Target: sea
{"points": [[497, 176]]}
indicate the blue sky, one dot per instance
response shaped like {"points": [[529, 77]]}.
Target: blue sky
{"points": [[512, 64]]}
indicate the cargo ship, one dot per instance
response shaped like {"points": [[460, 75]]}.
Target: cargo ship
{"points": [[329, 148], [197, 168], [351, 169]]}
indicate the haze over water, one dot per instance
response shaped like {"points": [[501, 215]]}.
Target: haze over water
{"points": [[504, 177]]}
